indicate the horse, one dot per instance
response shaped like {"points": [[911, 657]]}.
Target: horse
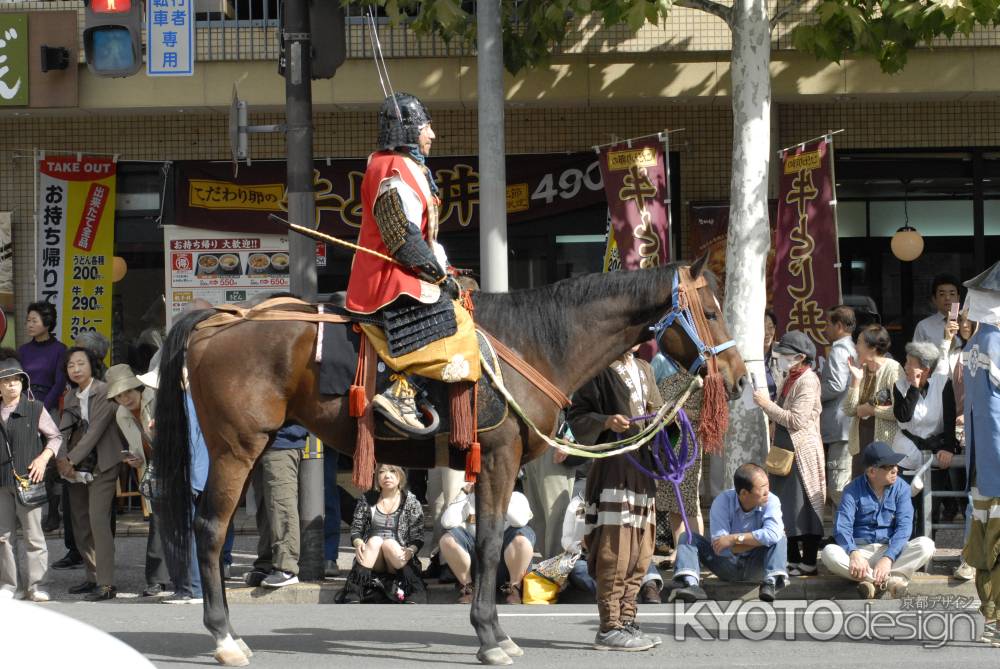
{"points": [[250, 378]]}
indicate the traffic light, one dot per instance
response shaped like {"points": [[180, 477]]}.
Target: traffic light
{"points": [[112, 37], [329, 49]]}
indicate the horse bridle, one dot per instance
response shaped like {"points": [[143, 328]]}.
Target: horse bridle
{"points": [[683, 295]]}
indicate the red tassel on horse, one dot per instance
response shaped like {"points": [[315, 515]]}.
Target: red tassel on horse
{"points": [[357, 402], [364, 447], [463, 427], [473, 463], [714, 419]]}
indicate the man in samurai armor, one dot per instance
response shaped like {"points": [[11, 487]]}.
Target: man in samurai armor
{"points": [[981, 379], [426, 331]]}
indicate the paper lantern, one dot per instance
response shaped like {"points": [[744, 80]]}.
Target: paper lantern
{"points": [[118, 269], [907, 244]]}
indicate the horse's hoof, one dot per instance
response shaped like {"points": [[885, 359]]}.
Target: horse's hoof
{"points": [[512, 649], [494, 656], [246, 649], [229, 653]]}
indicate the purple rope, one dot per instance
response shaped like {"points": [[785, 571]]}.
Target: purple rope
{"points": [[677, 464]]}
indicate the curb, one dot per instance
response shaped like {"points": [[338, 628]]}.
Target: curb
{"points": [[809, 588]]}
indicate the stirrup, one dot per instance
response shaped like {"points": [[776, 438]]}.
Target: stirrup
{"points": [[391, 404]]}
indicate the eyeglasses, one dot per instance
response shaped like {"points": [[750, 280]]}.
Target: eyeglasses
{"points": [[889, 468]]}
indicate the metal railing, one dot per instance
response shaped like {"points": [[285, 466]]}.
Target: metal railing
{"points": [[924, 472]]}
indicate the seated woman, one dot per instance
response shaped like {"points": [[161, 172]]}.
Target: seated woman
{"points": [[458, 544], [387, 533]]}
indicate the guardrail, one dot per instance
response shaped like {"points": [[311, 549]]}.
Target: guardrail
{"points": [[924, 473]]}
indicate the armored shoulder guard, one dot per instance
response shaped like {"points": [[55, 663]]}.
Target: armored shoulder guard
{"points": [[403, 239]]}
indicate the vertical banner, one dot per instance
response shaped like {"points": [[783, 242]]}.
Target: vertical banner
{"points": [[806, 272], [637, 185], [76, 216], [709, 230]]}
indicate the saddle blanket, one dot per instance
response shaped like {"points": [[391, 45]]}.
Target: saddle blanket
{"points": [[339, 360]]}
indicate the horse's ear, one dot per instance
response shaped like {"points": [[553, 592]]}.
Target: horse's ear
{"points": [[698, 265]]}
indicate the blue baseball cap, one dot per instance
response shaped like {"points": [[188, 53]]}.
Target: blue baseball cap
{"points": [[879, 453]]}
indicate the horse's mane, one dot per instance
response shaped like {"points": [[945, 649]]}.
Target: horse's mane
{"points": [[536, 318]]}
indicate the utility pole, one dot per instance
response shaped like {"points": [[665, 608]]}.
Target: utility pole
{"points": [[492, 150], [297, 65]]}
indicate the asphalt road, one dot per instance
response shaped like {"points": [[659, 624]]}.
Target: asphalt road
{"points": [[394, 636]]}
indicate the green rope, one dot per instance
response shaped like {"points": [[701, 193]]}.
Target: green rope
{"points": [[664, 416]]}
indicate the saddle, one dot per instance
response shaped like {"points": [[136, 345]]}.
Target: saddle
{"points": [[338, 356]]}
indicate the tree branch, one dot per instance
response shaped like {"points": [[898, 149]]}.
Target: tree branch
{"points": [[722, 11], [785, 11]]}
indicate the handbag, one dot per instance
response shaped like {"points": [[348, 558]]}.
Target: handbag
{"points": [[28, 494], [779, 461], [149, 485]]}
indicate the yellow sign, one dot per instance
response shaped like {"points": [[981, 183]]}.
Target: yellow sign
{"points": [[517, 198], [77, 239], [624, 159], [208, 194], [810, 160]]}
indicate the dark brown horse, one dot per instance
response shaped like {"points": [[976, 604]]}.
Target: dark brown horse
{"points": [[249, 379]]}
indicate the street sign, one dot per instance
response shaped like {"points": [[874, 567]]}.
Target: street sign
{"points": [[170, 38]]}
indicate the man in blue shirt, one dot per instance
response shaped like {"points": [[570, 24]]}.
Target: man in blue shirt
{"points": [[748, 540], [872, 528]]}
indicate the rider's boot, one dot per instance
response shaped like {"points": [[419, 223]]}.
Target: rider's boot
{"points": [[398, 403]]}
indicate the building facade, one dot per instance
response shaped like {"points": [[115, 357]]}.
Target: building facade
{"points": [[922, 146]]}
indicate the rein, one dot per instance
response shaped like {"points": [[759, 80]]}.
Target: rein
{"points": [[663, 417]]}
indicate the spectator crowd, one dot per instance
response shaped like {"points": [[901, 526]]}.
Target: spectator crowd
{"points": [[849, 427]]}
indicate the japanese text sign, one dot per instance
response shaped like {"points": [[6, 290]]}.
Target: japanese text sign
{"points": [[806, 275], [638, 190], [169, 38], [76, 216]]}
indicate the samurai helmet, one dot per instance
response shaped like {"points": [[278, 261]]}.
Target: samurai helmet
{"points": [[400, 120]]}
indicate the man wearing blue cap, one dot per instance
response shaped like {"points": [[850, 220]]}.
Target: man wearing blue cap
{"points": [[872, 529]]}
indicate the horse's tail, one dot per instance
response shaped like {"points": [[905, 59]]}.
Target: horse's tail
{"points": [[171, 450]]}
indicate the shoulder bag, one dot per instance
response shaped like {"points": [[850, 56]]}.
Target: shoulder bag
{"points": [[28, 494], [779, 461]]}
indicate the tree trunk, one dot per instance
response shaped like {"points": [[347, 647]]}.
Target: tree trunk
{"points": [[749, 237]]}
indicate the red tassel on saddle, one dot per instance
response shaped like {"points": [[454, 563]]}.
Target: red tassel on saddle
{"points": [[473, 464], [463, 427], [364, 448], [357, 402], [714, 419]]}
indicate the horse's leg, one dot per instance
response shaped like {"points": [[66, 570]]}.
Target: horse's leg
{"points": [[222, 493], [493, 491]]}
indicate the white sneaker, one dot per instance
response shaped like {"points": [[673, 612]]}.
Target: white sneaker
{"points": [[6, 594], [39, 596]]}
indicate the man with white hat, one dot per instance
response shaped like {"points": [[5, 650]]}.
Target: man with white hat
{"points": [[981, 375]]}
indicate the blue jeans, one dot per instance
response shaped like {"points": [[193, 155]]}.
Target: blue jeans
{"points": [[763, 563], [468, 543], [331, 505]]}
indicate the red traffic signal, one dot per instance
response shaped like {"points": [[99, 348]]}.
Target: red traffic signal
{"points": [[111, 6], [112, 37]]}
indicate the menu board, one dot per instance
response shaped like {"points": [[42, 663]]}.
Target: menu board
{"points": [[221, 267]]}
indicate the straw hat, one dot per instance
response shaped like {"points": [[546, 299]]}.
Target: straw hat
{"points": [[119, 379]]}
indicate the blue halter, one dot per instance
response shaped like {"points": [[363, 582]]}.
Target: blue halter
{"points": [[685, 318]]}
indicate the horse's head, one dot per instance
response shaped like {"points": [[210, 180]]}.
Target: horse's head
{"points": [[702, 340], [695, 335]]}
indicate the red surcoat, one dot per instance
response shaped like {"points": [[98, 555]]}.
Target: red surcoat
{"points": [[375, 282]]}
